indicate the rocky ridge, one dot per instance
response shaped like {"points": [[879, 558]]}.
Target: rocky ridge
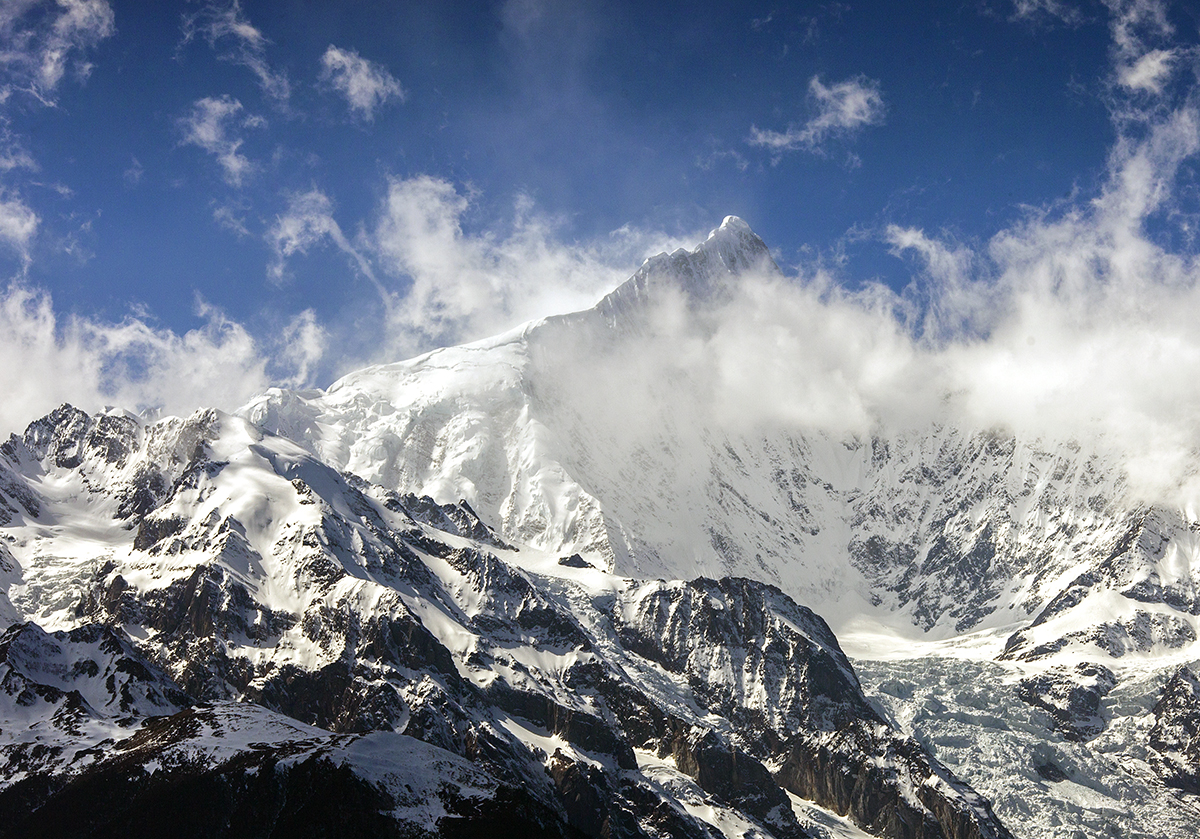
{"points": [[245, 625]]}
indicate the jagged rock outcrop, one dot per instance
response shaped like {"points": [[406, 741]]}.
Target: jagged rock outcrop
{"points": [[773, 669], [1071, 696], [1175, 738]]}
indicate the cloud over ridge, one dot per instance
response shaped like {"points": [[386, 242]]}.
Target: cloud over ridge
{"points": [[1077, 320]]}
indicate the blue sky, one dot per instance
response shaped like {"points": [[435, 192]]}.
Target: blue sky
{"points": [[275, 192]]}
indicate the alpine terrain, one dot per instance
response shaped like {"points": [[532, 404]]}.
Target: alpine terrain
{"points": [[562, 582]]}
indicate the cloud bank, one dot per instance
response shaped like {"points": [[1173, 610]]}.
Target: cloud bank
{"points": [[134, 365], [1077, 323]]}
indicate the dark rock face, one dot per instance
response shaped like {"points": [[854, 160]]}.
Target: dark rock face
{"points": [[734, 777], [305, 786], [772, 667], [1175, 737], [94, 669], [574, 561], [1071, 696]]}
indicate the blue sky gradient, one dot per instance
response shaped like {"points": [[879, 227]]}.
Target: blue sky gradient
{"points": [[291, 174]]}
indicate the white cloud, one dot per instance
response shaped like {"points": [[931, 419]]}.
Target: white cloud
{"points": [[41, 41], [1037, 9], [1140, 29], [1149, 72], [230, 217], [18, 226], [50, 359], [13, 154], [308, 221], [210, 125], [365, 85], [457, 286], [304, 345], [842, 109], [133, 175], [226, 24], [438, 284]]}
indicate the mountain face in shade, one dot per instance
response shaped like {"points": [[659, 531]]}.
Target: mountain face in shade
{"points": [[545, 584]]}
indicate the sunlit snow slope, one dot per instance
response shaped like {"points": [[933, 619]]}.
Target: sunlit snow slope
{"points": [[600, 433]]}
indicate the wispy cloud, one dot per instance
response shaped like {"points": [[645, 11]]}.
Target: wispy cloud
{"points": [[13, 154], [133, 175], [40, 41], [440, 284], [1149, 72], [841, 110], [365, 85], [1139, 29], [307, 222], [1034, 10], [227, 29], [210, 124], [18, 226]]}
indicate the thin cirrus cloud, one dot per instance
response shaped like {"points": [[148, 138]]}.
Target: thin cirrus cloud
{"points": [[1037, 9], [226, 28], [42, 41], [211, 125], [364, 84], [842, 110], [306, 223]]}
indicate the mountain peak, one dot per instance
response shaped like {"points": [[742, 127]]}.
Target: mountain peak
{"points": [[704, 275], [731, 223]]}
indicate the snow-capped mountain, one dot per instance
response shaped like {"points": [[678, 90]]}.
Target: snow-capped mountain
{"points": [[561, 437], [211, 611], [553, 582]]}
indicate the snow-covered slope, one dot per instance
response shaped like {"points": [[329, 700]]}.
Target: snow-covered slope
{"points": [[562, 436], [207, 607]]}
